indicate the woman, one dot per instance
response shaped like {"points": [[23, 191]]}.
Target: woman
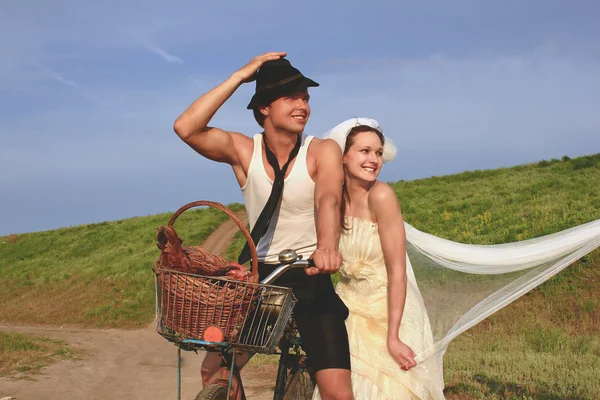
{"points": [[392, 319], [387, 322]]}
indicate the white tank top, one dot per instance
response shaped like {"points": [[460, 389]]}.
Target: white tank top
{"points": [[293, 225]]}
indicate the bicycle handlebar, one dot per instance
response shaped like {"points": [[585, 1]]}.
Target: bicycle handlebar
{"points": [[289, 259]]}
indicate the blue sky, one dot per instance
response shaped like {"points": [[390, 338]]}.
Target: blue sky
{"points": [[89, 91]]}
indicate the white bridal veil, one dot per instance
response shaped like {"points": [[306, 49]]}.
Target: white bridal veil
{"points": [[462, 284]]}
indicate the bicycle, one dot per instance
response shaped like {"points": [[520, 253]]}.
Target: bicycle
{"points": [[268, 324]]}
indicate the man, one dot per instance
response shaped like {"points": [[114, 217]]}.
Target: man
{"points": [[292, 192]]}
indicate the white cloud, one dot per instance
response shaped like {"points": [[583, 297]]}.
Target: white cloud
{"points": [[163, 53]]}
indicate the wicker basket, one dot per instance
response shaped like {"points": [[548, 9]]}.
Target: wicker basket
{"points": [[185, 320], [202, 307]]}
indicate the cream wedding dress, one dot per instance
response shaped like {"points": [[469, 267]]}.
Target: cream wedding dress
{"points": [[363, 288]]}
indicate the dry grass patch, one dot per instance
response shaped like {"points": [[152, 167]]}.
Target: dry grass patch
{"points": [[24, 355], [77, 301], [11, 239]]}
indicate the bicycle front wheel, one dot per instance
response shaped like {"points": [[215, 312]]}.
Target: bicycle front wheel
{"points": [[212, 392], [300, 386], [294, 381]]}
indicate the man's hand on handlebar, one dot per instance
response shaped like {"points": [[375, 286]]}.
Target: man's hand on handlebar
{"points": [[327, 261]]}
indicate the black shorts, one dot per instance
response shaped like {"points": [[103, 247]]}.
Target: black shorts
{"points": [[320, 316]]}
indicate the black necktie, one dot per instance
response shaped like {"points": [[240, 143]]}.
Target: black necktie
{"points": [[262, 223]]}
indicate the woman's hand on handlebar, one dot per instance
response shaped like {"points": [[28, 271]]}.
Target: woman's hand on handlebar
{"points": [[327, 261]]}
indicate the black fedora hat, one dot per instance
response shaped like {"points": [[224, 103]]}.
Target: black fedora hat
{"points": [[275, 79]]}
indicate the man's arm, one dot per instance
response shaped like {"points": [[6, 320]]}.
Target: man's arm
{"points": [[192, 126], [328, 197]]}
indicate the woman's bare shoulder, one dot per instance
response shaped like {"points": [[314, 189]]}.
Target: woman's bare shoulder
{"points": [[383, 201], [382, 192]]}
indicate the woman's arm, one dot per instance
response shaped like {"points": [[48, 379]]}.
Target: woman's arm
{"points": [[384, 205]]}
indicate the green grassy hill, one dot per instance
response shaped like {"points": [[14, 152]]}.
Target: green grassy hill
{"points": [[90, 275], [505, 205], [545, 345]]}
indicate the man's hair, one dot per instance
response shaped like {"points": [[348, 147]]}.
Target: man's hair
{"points": [[259, 117]]}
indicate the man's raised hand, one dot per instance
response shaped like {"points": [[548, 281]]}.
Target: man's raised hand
{"points": [[248, 72]]}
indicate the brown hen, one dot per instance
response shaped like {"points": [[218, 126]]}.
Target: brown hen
{"points": [[194, 259]]}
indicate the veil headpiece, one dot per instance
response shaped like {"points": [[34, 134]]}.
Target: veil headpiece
{"points": [[340, 132]]}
